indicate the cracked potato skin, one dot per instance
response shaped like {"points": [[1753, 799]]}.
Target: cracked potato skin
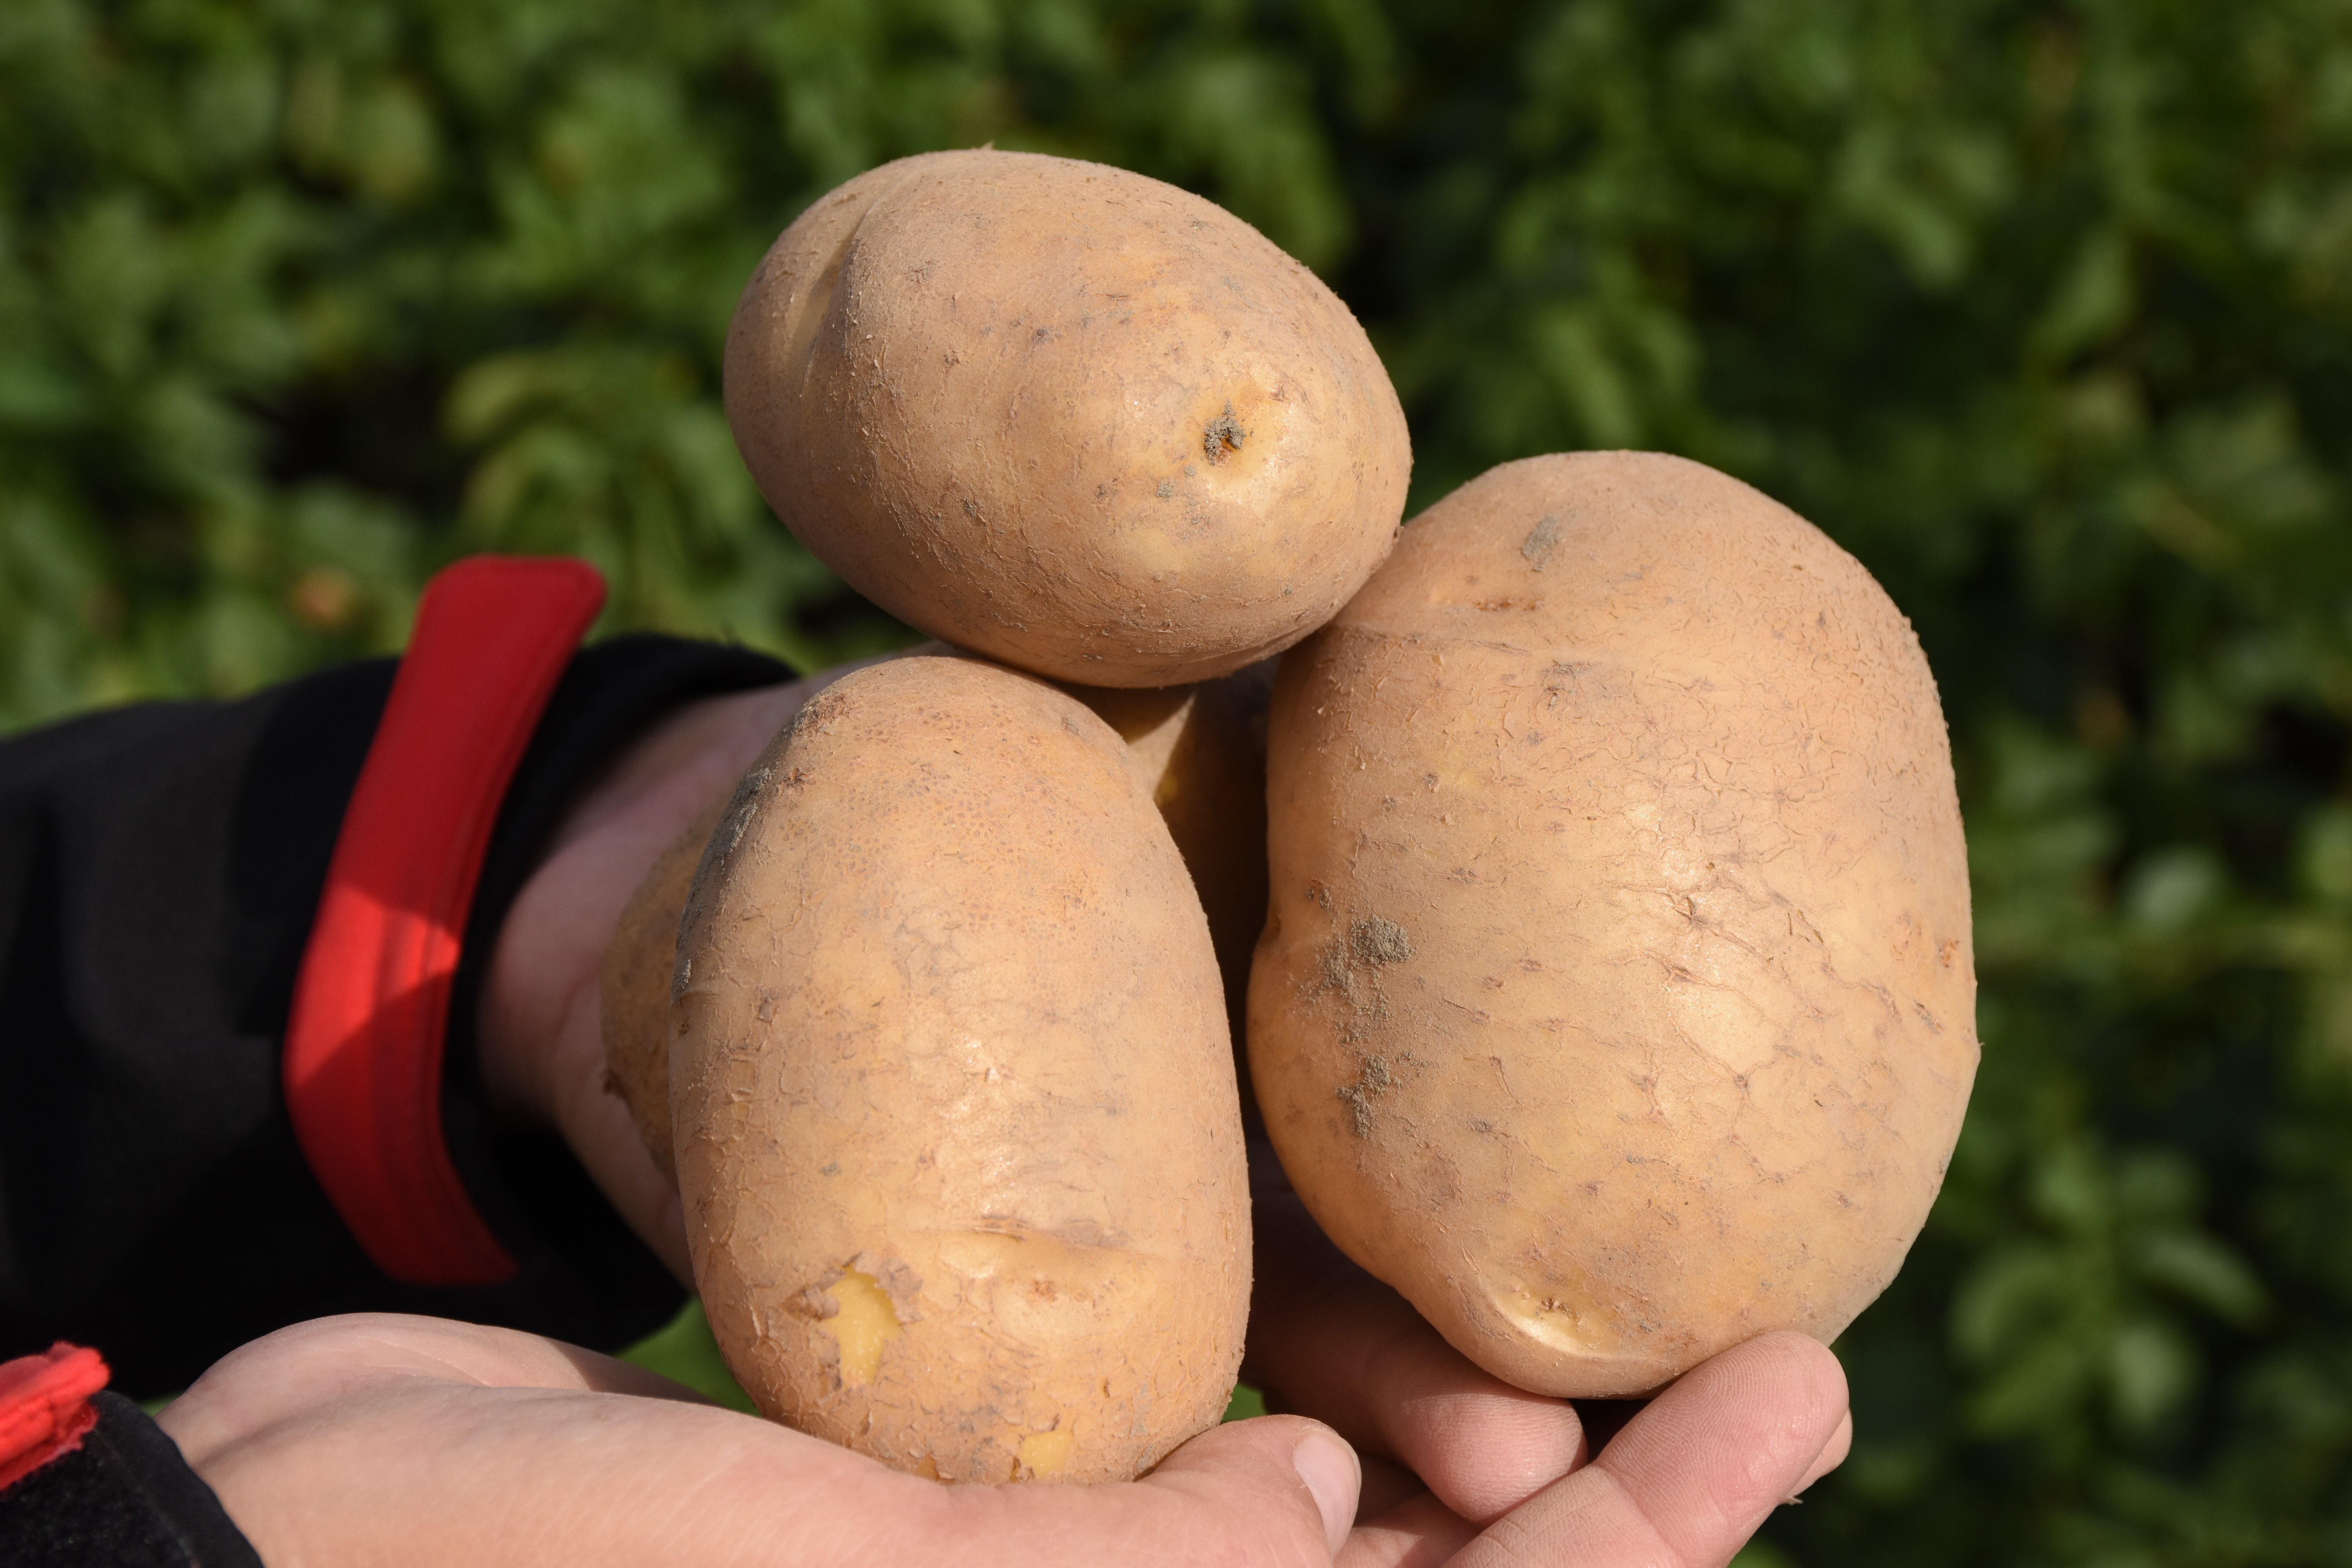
{"points": [[957, 1126], [1616, 1002], [1066, 416]]}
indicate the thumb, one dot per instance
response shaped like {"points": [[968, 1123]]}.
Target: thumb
{"points": [[1279, 1488]]}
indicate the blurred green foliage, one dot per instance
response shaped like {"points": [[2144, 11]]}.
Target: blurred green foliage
{"points": [[2044, 310]]}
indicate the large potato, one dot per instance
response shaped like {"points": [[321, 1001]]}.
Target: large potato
{"points": [[1617, 1001], [1066, 416], [956, 1121]]}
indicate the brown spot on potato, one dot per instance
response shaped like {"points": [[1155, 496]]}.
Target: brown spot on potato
{"points": [[1223, 437]]}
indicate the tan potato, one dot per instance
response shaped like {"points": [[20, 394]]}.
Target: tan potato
{"points": [[1067, 416], [1617, 1002], [1203, 749], [633, 988], [957, 1126]]}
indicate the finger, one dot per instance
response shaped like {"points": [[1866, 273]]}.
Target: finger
{"points": [[1719, 1450], [1230, 1462], [1691, 1476], [282, 1377], [1386, 1485], [1832, 1455], [1419, 1532], [1335, 1343]]}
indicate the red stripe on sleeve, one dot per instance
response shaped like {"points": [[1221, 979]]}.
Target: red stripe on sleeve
{"points": [[370, 1014], [45, 1407]]}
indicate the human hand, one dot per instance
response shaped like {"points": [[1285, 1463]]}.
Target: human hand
{"points": [[379, 1441]]}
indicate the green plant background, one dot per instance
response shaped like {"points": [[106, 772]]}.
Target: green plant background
{"points": [[2043, 309]]}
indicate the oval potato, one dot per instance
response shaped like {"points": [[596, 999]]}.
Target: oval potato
{"points": [[1066, 416], [957, 1129], [1617, 1000]]}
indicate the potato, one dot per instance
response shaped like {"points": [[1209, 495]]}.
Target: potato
{"points": [[1067, 416], [957, 1128], [633, 988], [1617, 1000], [1202, 747]]}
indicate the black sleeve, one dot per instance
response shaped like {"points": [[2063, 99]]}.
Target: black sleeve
{"points": [[125, 1497], [160, 867]]}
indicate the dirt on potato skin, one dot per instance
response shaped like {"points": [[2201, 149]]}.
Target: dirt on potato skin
{"points": [[1067, 416], [1654, 780], [958, 1133]]}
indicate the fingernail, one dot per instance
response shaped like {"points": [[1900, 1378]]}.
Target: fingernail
{"points": [[1329, 1467]]}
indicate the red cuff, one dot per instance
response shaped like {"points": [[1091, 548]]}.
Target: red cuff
{"points": [[370, 1014], [45, 1407]]}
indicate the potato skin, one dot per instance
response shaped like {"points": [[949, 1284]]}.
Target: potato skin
{"points": [[1066, 416], [946, 1031], [1617, 1002]]}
